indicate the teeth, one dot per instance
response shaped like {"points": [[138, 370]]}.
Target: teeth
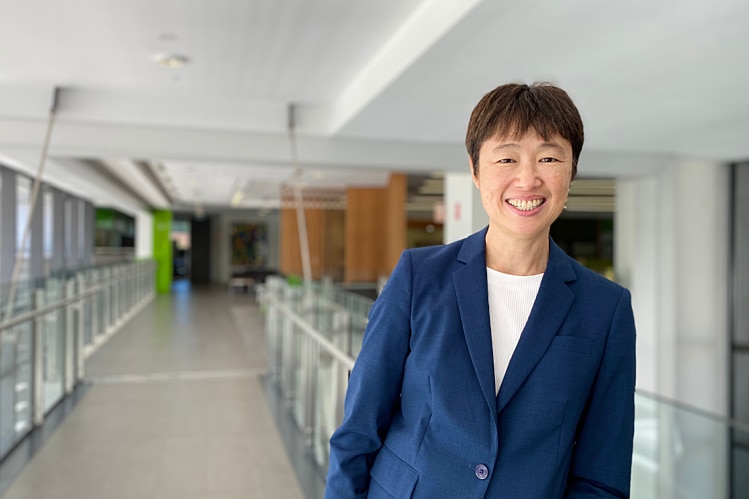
{"points": [[525, 205]]}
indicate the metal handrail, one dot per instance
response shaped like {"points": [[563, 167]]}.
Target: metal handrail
{"points": [[326, 344], [27, 316], [33, 314]]}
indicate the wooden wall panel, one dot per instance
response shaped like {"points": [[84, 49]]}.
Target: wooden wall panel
{"points": [[375, 230], [360, 245], [365, 234], [396, 220], [324, 236]]}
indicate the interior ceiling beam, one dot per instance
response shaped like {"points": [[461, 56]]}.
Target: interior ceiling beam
{"points": [[131, 175], [84, 179], [97, 140], [427, 25]]}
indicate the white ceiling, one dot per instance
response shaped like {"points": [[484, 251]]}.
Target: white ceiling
{"points": [[375, 85]]}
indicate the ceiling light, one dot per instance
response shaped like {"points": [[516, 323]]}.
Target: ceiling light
{"points": [[167, 37], [236, 199], [171, 61]]}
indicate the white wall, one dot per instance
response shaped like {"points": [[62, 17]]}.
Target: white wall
{"points": [[143, 234], [672, 252], [464, 213]]}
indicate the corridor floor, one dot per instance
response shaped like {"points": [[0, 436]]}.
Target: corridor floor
{"points": [[175, 407]]}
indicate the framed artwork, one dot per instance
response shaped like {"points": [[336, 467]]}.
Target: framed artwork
{"points": [[249, 245]]}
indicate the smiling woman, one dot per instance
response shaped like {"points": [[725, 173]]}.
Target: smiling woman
{"points": [[496, 366]]}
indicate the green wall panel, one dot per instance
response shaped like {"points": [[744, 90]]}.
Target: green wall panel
{"points": [[162, 249]]}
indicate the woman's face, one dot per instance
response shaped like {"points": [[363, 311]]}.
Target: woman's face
{"points": [[524, 183]]}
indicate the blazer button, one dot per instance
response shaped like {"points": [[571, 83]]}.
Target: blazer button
{"points": [[482, 472]]}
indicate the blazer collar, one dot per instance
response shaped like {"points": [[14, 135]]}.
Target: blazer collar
{"points": [[472, 295], [547, 315]]}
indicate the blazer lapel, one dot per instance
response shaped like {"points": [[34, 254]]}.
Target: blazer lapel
{"points": [[471, 293], [547, 316]]}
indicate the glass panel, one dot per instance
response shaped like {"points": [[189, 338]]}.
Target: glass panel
{"points": [[23, 211], [678, 453], [16, 354], [53, 347], [740, 384], [15, 386], [739, 469]]}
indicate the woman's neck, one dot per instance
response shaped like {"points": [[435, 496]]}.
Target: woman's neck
{"points": [[517, 256]]}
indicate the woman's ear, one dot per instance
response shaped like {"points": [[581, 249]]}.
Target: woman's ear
{"points": [[474, 173]]}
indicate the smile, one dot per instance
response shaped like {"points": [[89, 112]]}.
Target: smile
{"points": [[524, 204]]}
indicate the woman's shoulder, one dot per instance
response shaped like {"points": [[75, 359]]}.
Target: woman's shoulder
{"points": [[580, 276], [436, 253], [596, 284]]}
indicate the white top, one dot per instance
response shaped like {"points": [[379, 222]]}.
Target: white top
{"points": [[511, 298]]}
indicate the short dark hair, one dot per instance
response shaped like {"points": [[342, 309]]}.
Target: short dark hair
{"points": [[511, 109]]}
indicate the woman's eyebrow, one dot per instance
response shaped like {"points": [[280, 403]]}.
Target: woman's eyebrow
{"points": [[552, 145], [543, 145], [509, 145]]}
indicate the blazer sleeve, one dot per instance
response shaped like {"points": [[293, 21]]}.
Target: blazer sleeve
{"points": [[602, 458], [374, 387]]}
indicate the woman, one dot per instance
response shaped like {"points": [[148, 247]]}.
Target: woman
{"points": [[496, 366]]}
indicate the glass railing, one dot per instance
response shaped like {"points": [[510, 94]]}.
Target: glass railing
{"points": [[309, 345], [682, 452], [55, 324], [679, 452]]}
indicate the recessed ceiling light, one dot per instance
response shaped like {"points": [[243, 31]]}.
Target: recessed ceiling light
{"points": [[168, 37], [171, 61]]}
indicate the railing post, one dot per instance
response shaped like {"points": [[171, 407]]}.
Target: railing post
{"points": [[69, 337], [108, 307], [114, 300], [80, 340], [272, 331], [310, 393], [96, 329], [342, 333], [287, 359], [37, 331]]}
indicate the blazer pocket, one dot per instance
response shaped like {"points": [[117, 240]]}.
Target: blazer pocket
{"points": [[572, 344], [393, 474]]}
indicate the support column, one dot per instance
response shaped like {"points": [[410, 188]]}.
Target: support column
{"points": [[7, 227], [464, 213], [162, 249], [36, 237], [58, 231], [143, 235], [672, 252]]}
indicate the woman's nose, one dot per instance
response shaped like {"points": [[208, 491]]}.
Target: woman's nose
{"points": [[527, 175]]}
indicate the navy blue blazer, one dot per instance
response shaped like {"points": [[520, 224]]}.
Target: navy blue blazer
{"points": [[421, 416]]}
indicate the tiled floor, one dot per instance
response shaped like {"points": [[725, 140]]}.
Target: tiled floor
{"points": [[176, 408]]}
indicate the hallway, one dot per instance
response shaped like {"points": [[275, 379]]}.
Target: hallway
{"points": [[175, 407]]}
